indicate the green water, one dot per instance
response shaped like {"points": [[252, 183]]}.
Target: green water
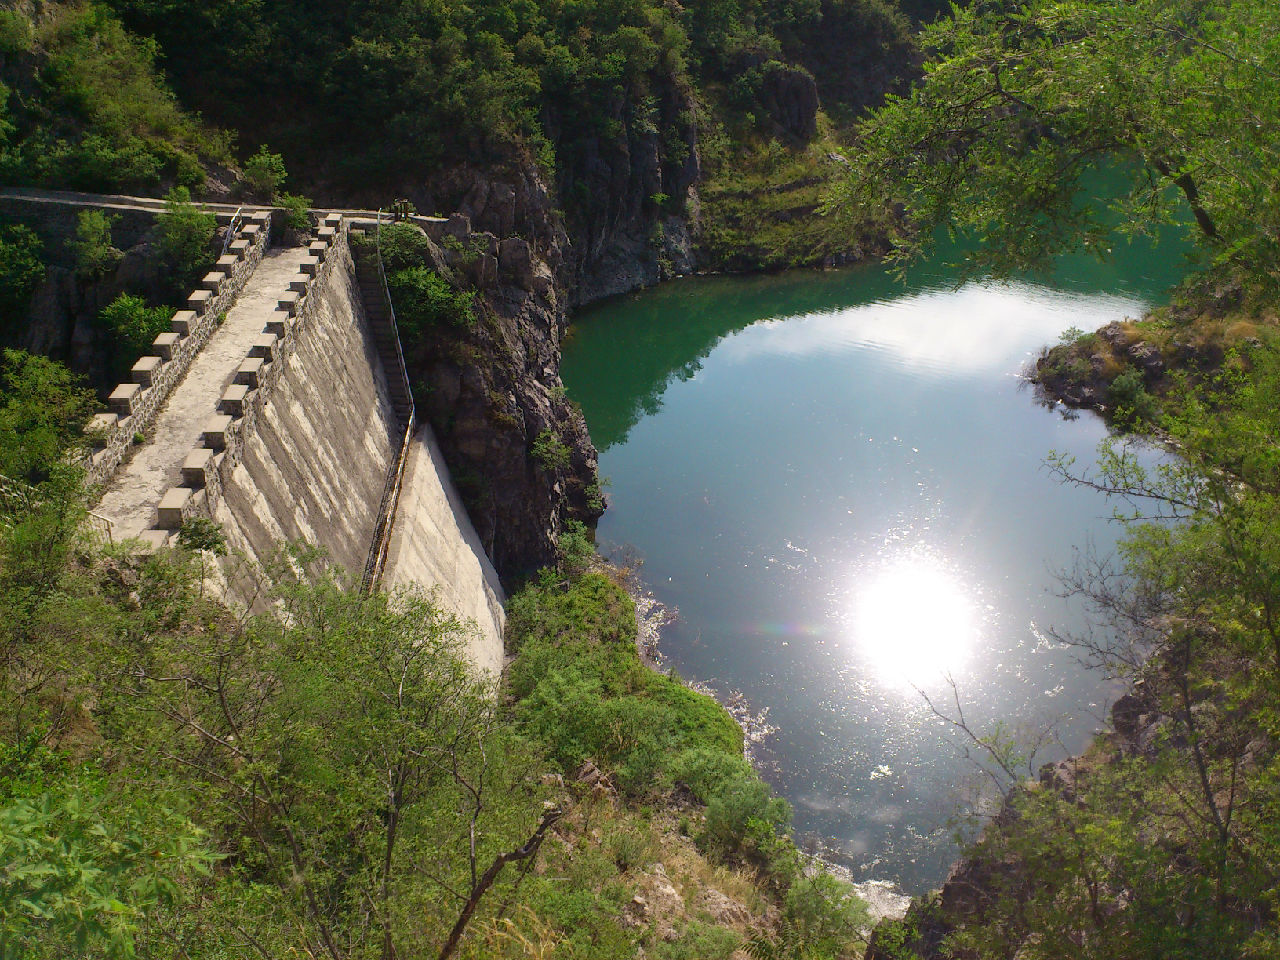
{"points": [[837, 480]]}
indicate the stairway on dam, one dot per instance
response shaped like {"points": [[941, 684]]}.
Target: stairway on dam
{"points": [[278, 405], [132, 497]]}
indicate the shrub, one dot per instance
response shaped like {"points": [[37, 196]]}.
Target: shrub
{"points": [[16, 33], [403, 245], [43, 408], [202, 533], [185, 233], [297, 211], [1129, 401], [593, 607], [549, 451], [826, 912], [424, 299], [21, 271], [134, 323], [264, 173], [95, 256], [744, 820], [575, 549]]}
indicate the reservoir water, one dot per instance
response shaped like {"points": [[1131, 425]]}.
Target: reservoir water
{"points": [[837, 479]]}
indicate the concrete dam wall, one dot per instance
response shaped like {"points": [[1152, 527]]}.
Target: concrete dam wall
{"points": [[279, 423]]}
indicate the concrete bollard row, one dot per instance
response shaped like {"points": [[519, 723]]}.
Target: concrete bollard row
{"points": [[223, 434], [132, 406]]}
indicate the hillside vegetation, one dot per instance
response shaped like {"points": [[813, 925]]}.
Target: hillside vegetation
{"points": [[1161, 841], [331, 779]]}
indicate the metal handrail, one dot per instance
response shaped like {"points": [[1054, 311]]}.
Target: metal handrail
{"points": [[391, 312], [387, 508], [232, 227]]}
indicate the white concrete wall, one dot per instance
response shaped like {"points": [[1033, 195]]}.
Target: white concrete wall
{"points": [[314, 461], [434, 544]]}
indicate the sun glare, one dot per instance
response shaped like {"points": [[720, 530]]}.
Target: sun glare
{"points": [[913, 621]]}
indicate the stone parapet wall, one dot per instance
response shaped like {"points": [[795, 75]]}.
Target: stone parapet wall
{"points": [[134, 405], [235, 417]]}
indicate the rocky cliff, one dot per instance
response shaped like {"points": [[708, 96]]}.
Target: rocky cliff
{"points": [[517, 448]]}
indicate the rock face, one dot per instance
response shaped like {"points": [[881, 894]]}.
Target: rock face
{"points": [[631, 201], [518, 450]]}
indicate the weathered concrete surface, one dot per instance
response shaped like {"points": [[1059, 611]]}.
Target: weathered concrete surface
{"points": [[314, 465], [131, 498], [433, 544]]}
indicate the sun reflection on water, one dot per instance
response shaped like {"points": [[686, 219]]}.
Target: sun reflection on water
{"points": [[913, 620]]}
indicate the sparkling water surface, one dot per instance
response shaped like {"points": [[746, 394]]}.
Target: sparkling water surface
{"points": [[837, 480]]}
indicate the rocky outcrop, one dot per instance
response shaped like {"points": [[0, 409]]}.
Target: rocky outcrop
{"points": [[517, 448]]}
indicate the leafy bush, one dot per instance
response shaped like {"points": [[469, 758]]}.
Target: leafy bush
{"points": [[21, 271], [583, 693], [550, 452], [97, 114], [202, 533], [403, 245], [575, 549], [184, 238], [43, 408], [424, 299], [1129, 400], [264, 173], [745, 819], [95, 256], [826, 912], [16, 32], [594, 607], [134, 323], [297, 211]]}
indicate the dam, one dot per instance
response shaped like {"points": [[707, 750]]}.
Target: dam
{"points": [[277, 404]]}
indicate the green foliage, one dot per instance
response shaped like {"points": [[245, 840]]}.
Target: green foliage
{"points": [[1021, 101], [43, 409], [21, 271], [745, 820], [93, 112], [550, 452], [403, 246], [1131, 404], [184, 238], [202, 533], [826, 913], [17, 35], [595, 607], [94, 254], [423, 300], [297, 211], [584, 694], [264, 174], [134, 324], [85, 868], [575, 549], [1163, 843]]}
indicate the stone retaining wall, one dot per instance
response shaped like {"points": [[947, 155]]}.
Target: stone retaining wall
{"points": [[134, 405]]}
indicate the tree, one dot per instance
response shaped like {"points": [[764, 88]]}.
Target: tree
{"points": [[134, 324], [43, 409], [1021, 100], [87, 865], [355, 758], [185, 232], [21, 271], [264, 173], [94, 254]]}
